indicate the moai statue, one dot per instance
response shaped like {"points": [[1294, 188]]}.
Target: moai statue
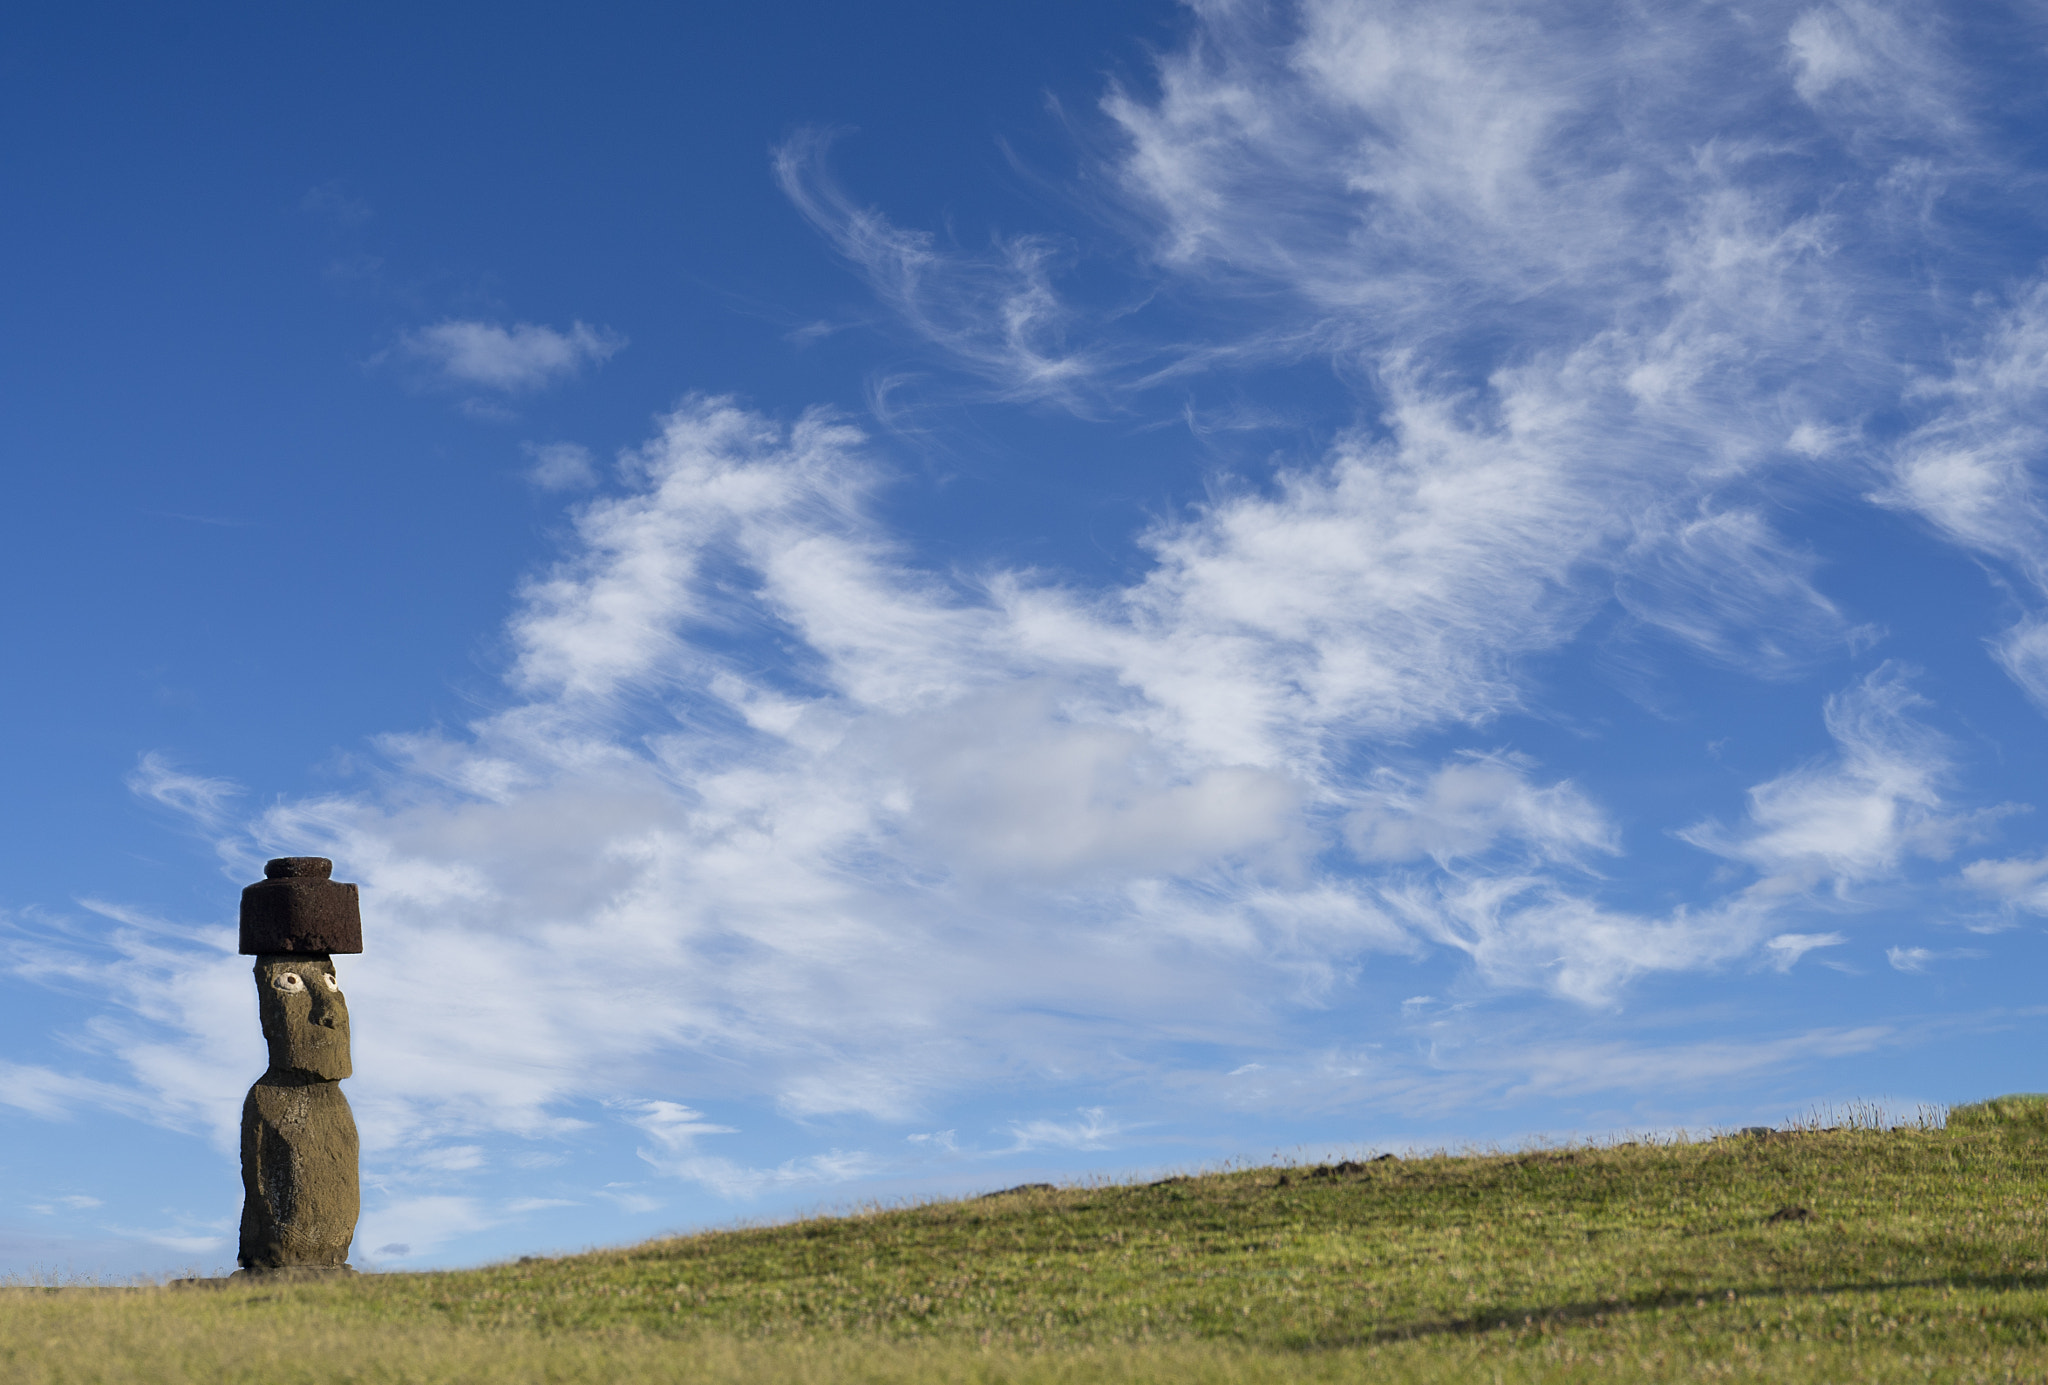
{"points": [[300, 1187]]}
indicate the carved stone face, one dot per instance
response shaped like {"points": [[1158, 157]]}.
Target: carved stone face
{"points": [[305, 1016]]}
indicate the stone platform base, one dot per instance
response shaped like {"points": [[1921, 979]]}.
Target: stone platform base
{"points": [[287, 1274]]}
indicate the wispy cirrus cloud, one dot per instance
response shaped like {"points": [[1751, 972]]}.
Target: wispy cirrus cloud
{"points": [[994, 311], [1917, 959], [1853, 818], [676, 1130], [1971, 470], [1883, 70], [44, 1092], [204, 799], [1094, 1130], [1786, 949], [1570, 1067], [515, 359]]}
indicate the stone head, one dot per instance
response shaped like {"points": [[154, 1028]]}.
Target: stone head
{"points": [[305, 1015]]}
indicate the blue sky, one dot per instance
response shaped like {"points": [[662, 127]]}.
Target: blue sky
{"points": [[887, 601]]}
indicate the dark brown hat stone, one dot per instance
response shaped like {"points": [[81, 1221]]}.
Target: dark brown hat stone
{"points": [[297, 909]]}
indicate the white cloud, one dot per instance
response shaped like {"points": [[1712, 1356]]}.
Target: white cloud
{"points": [[676, 1130], [560, 466], [1853, 818], [1010, 786], [1467, 806], [204, 800], [2023, 653], [2020, 882], [1786, 949], [1478, 1055], [1413, 125], [180, 1239], [994, 312], [1834, 824], [620, 1196], [674, 1127], [1407, 184], [1094, 1130], [1916, 959], [1525, 931], [1882, 66], [1970, 469], [179, 1004], [446, 1159], [517, 359], [1726, 584], [52, 1095], [70, 1203], [520, 1206], [1392, 589], [1825, 52]]}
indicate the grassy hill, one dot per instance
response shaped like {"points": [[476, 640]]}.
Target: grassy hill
{"points": [[1821, 1255]]}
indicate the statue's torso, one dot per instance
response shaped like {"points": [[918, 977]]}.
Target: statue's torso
{"points": [[299, 1180]]}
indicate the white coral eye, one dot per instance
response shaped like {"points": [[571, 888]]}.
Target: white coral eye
{"points": [[332, 984], [289, 981]]}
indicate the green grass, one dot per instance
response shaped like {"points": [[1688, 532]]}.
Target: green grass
{"points": [[1923, 1255]]}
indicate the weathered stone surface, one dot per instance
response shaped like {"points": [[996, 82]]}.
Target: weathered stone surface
{"points": [[304, 1014], [296, 909], [288, 867], [300, 1188]]}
